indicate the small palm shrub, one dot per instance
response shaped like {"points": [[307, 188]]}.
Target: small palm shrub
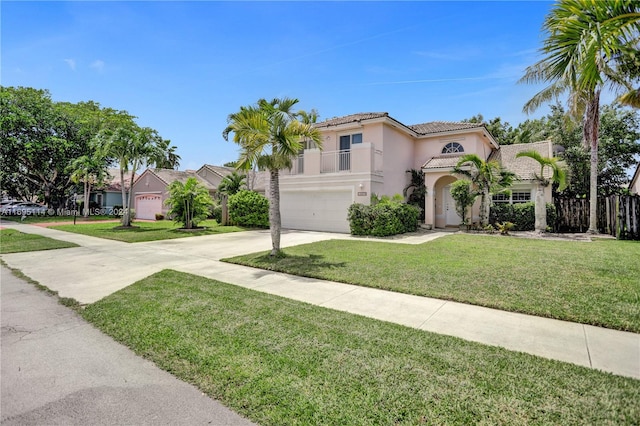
{"points": [[248, 208], [188, 202], [464, 197]]}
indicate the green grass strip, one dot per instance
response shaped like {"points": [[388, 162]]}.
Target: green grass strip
{"points": [[282, 362], [12, 241], [145, 231], [594, 283]]}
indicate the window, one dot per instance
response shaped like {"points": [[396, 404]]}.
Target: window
{"points": [[513, 198], [452, 148], [347, 140], [520, 197], [501, 198]]}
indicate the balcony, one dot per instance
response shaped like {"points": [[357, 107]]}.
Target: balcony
{"points": [[361, 158]]}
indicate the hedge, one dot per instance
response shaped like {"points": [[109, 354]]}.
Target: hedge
{"points": [[522, 215], [248, 208], [383, 219]]}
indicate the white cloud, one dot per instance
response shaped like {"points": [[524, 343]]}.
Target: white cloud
{"points": [[71, 63], [97, 65]]}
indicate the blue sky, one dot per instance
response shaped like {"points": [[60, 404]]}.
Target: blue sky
{"points": [[183, 67]]}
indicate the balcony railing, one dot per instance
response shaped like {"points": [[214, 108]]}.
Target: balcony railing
{"points": [[335, 161]]}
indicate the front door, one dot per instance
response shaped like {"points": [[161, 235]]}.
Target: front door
{"points": [[449, 206]]}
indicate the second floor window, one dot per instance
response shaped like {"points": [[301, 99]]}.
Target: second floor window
{"points": [[347, 140], [452, 148]]}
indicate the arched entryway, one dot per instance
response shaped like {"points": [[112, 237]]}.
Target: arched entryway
{"points": [[444, 206]]}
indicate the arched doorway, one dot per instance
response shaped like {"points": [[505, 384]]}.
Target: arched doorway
{"points": [[444, 206]]}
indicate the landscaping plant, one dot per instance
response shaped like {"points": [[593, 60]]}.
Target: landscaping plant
{"points": [[188, 202], [248, 208], [464, 197]]}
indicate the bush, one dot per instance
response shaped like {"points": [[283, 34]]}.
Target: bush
{"points": [[159, 216], [188, 202], [522, 215], [216, 212], [248, 208], [385, 218]]}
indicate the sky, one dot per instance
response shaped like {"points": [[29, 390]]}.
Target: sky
{"points": [[183, 67]]}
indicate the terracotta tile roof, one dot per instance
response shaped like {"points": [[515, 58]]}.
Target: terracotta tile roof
{"points": [[523, 167], [444, 161], [170, 175], [353, 118], [442, 126]]}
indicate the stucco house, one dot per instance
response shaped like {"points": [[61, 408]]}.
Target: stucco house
{"points": [[150, 190], [110, 194], [634, 184], [369, 153]]}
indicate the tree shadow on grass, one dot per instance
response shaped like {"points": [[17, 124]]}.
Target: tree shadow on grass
{"points": [[311, 265]]}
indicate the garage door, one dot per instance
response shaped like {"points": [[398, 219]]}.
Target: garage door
{"points": [[147, 206], [316, 211]]}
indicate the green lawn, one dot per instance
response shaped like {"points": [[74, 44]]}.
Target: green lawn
{"points": [[145, 231], [282, 362], [12, 241], [594, 283]]}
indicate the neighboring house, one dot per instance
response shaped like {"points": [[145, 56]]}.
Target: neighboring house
{"points": [[634, 185], [150, 190], [110, 194], [370, 153]]}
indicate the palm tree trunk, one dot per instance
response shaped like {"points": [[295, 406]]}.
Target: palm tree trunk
{"points": [[85, 210], [591, 124], [275, 223], [484, 208], [540, 209], [125, 212], [133, 174]]}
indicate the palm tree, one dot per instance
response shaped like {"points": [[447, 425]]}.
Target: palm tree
{"points": [[270, 134], [232, 183], [166, 156], [418, 191], [587, 46], [131, 147], [90, 170], [188, 202], [487, 177], [558, 175]]}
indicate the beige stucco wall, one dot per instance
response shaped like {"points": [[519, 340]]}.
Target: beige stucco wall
{"points": [[150, 184], [398, 154]]}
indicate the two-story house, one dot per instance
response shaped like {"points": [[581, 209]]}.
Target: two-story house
{"points": [[370, 153]]}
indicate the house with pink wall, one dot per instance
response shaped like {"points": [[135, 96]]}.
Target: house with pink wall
{"points": [[370, 153], [634, 184]]}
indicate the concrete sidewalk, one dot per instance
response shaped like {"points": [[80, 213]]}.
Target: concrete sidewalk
{"points": [[100, 267], [57, 369]]}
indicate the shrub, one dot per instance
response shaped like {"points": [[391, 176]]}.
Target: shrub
{"points": [[386, 217], [216, 212], [464, 197], [522, 215], [248, 208], [159, 216], [188, 202]]}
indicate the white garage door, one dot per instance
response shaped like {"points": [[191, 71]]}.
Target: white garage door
{"points": [[148, 205], [316, 211]]}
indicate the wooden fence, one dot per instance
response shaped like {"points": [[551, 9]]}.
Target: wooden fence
{"points": [[618, 215]]}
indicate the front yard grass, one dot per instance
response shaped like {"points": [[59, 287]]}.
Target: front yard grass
{"points": [[283, 362], [594, 283], [145, 231], [12, 241]]}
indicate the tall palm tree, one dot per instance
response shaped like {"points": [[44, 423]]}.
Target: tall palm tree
{"points": [[487, 177], [270, 134], [131, 147], [558, 175], [166, 156], [588, 43]]}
